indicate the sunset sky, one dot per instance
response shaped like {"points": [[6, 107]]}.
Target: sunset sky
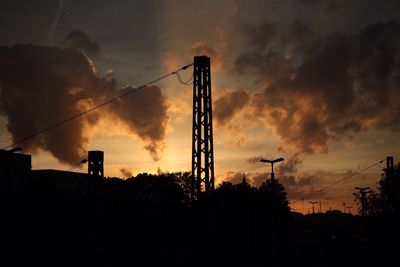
{"points": [[314, 81]]}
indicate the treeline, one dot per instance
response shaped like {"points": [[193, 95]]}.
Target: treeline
{"points": [[154, 214], [153, 218]]}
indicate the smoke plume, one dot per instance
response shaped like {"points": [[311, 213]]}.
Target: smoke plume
{"points": [[40, 86]]}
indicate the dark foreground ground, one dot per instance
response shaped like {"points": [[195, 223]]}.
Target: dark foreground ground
{"points": [[108, 232]]}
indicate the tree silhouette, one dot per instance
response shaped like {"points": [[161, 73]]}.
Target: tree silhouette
{"points": [[386, 201]]}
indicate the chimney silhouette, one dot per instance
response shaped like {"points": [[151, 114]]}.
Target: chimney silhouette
{"points": [[95, 172], [96, 164]]}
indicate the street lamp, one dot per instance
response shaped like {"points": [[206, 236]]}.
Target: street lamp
{"points": [[272, 165], [272, 201]]}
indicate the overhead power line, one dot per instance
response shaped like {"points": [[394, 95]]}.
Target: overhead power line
{"points": [[77, 165], [97, 107], [342, 180]]}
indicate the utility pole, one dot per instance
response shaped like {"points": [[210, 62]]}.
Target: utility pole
{"points": [[313, 202], [344, 207], [320, 207], [363, 192], [202, 135]]}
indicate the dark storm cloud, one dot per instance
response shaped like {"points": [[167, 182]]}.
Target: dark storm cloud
{"points": [[299, 186], [323, 88], [254, 160], [271, 47], [328, 6], [226, 106], [311, 2], [290, 165], [80, 40], [40, 86], [260, 35]]}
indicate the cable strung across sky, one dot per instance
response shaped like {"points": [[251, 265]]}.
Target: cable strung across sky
{"points": [[342, 180], [188, 82], [55, 125]]}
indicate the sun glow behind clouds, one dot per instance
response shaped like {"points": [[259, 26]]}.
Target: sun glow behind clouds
{"points": [[267, 121]]}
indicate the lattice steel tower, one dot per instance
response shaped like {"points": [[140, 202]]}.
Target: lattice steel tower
{"points": [[202, 138]]}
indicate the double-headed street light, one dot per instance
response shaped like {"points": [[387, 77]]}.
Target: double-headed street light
{"points": [[272, 166]]}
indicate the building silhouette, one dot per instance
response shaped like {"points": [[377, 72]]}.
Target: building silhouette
{"points": [[15, 169], [17, 176], [59, 182]]}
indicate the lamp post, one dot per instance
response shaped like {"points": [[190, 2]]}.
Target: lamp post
{"points": [[272, 166], [272, 202]]}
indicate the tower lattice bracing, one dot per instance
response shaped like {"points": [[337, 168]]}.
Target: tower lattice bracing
{"points": [[202, 137]]}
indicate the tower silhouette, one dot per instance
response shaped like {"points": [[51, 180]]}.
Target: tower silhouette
{"points": [[95, 164], [95, 170], [202, 135], [389, 166], [363, 191]]}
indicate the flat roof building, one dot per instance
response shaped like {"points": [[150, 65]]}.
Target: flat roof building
{"points": [[59, 182], [14, 171]]}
